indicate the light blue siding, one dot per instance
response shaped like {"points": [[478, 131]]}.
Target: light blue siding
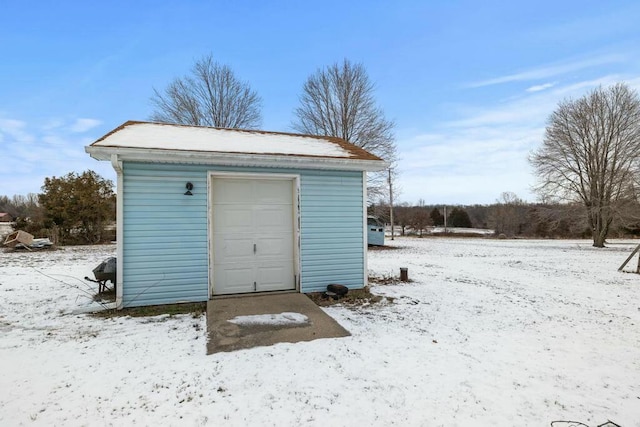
{"points": [[165, 245], [331, 211], [165, 235]]}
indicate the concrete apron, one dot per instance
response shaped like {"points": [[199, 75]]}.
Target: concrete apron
{"points": [[226, 336]]}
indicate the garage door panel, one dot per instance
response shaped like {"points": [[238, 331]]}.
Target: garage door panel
{"points": [[232, 190], [236, 278], [230, 248], [273, 191], [275, 276], [274, 218], [275, 246], [233, 218], [248, 212]]}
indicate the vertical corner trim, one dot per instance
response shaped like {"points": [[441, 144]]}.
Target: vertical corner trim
{"points": [[365, 275], [116, 163]]}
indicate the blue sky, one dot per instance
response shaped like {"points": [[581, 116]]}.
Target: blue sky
{"points": [[469, 84]]}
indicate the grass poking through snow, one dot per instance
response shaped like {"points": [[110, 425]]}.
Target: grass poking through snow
{"points": [[355, 297], [196, 309]]}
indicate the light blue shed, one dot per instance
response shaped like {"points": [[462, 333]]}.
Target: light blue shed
{"points": [[375, 232], [208, 211]]}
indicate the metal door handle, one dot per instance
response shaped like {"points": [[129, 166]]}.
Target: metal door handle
{"points": [[254, 248]]}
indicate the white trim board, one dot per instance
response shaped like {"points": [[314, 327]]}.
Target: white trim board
{"points": [[117, 166]]}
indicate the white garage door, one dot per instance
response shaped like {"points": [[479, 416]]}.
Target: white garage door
{"points": [[253, 239]]}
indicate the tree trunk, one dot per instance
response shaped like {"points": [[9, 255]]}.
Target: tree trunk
{"points": [[598, 239], [599, 230]]}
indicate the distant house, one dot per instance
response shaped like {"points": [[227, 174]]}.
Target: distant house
{"points": [[205, 211], [5, 217]]}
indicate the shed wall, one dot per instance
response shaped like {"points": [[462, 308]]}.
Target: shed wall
{"points": [[165, 244]]}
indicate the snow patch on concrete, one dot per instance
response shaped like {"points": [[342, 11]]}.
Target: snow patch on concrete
{"points": [[286, 318]]}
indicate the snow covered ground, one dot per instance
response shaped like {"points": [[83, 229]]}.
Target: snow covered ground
{"points": [[489, 333]]}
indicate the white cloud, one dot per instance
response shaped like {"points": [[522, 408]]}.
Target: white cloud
{"points": [[538, 88], [469, 164], [83, 125], [530, 109], [15, 130], [52, 124], [34, 151], [455, 189], [581, 87], [548, 71], [54, 140], [483, 152]]}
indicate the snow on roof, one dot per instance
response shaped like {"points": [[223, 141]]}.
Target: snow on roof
{"points": [[161, 136]]}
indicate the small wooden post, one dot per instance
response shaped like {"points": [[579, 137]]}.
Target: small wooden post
{"points": [[404, 274]]}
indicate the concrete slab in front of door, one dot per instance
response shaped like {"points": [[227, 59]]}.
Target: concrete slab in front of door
{"points": [[259, 320]]}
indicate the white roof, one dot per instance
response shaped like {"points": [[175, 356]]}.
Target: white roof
{"points": [[143, 141]]}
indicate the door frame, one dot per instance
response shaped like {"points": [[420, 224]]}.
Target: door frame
{"points": [[295, 198]]}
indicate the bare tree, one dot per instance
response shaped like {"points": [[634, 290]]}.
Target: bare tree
{"points": [[508, 215], [420, 218], [338, 101], [591, 152], [211, 95], [402, 216]]}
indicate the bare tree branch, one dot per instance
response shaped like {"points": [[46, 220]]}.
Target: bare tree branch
{"points": [[338, 101], [211, 95]]}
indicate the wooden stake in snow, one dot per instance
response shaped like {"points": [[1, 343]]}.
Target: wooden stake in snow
{"points": [[629, 259]]}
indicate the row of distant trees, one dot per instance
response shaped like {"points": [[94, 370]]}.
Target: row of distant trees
{"points": [[509, 216], [81, 208], [72, 209]]}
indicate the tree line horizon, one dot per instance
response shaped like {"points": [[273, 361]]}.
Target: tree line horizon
{"points": [[508, 217]]}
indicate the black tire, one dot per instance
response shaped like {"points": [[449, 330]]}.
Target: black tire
{"points": [[340, 290]]}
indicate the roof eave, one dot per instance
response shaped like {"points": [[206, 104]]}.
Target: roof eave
{"points": [[233, 159]]}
